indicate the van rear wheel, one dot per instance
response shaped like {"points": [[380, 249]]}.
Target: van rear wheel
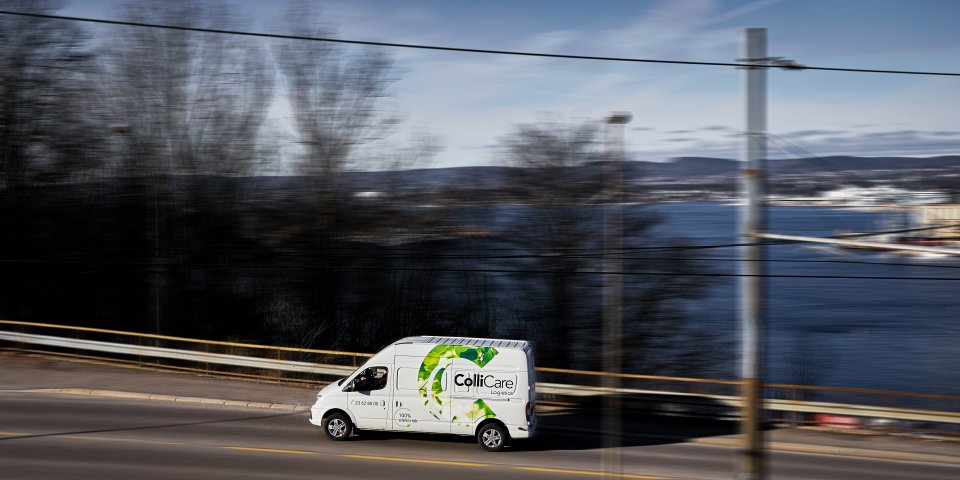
{"points": [[492, 437], [337, 426]]}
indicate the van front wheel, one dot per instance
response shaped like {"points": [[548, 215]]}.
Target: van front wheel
{"points": [[492, 437], [337, 426]]}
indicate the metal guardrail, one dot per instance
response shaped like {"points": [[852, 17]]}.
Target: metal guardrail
{"points": [[183, 339], [779, 405], [722, 404], [178, 354]]}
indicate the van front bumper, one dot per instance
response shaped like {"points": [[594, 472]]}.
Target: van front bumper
{"points": [[315, 416]]}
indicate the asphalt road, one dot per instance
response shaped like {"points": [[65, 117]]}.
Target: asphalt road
{"points": [[44, 436]]}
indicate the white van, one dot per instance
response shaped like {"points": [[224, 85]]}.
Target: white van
{"points": [[463, 386]]}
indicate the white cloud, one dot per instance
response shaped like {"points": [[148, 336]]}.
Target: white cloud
{"points": [[739, 12]]}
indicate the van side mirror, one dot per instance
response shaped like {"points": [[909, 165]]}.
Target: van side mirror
{"points": [[350, 387]]}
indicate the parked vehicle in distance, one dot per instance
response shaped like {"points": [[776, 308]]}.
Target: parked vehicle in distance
{"points": [[456, 385]]}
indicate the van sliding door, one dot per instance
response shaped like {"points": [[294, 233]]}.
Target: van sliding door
{"points": [[421, 399]]}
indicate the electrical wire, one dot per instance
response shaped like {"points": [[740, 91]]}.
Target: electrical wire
{"points": [[472, 270], [470, 50], [220, 249], [772, 166], [594, 256]]}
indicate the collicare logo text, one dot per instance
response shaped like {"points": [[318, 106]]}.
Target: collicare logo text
{"points": [[479, 379]]}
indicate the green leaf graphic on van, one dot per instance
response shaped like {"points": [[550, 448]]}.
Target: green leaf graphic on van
{"points": [[429, 377], [437, 386], [479, 409]]}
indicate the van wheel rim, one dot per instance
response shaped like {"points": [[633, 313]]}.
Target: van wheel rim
{"points": [[337, 427], [492, 438]]}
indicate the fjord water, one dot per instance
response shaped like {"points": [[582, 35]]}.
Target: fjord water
{"points": [[872, 333]]}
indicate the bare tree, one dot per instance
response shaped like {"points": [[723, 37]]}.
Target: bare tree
{"points": [[336, 97], [551, 158], [190, 107], [560, 176], [44, 73], [193, 103]]}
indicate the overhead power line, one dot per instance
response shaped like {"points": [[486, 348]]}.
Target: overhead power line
{"points": [[508, 271], [476, 257], [771, 62], [490, 252]]}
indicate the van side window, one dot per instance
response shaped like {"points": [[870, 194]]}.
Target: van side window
{"points": [[373, 378]]}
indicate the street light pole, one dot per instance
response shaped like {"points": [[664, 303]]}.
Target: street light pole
{"points": [[612, 288], [752, 283]]}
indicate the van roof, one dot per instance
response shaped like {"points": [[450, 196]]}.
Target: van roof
{"points": [[467, 341]]}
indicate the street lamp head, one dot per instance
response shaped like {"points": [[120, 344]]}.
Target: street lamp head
{"points": [[619, 118]]}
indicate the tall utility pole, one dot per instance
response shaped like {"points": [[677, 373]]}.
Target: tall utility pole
{"points": [[612, 289], [752, 222]]}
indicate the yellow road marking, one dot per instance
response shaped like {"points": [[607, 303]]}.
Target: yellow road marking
{"points": [[13, 434], [586, 472], [416, 460], [272, 450]]}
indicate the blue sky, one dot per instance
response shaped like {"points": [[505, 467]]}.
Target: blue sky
{"points": [[471, 100]]}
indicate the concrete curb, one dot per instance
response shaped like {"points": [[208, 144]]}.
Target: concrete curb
{"points": [[167, 398]]}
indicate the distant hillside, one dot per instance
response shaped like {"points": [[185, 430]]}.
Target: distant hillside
{"points": [[676, 168], [435, 177], [841, 163], [683, 167]]}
